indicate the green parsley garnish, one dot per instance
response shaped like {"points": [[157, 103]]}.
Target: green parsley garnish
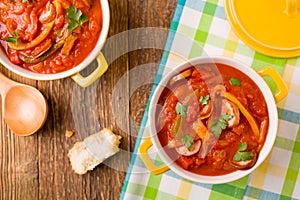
{"points": [[24, 1], [240, 155], [235, 82], [188, 141], [76, 18], [13, 39], [181, 110], [204, 100], [216, 126]]}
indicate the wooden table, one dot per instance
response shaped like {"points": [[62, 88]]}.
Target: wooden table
{"points": [[37, 166]]}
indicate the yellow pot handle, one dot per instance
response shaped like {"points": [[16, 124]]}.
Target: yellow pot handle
{"points": [[143, 151], [282, 88], [99, 71]]}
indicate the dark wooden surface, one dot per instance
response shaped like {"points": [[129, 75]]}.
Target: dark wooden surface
{"points": [[37, 166]]}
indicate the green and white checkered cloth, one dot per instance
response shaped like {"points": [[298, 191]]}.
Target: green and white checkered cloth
{"points": [[200, 28]]}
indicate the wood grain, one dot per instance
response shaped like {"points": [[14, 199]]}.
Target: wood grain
{"points": [[37, 166]]}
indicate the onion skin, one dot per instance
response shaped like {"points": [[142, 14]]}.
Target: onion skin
{"points": [[244, 165]]}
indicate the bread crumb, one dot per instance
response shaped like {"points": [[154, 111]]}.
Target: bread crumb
{"points": [[69, 133]]}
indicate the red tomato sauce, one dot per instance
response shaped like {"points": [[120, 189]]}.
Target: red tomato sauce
{"points": [[227, 142], [23, 23]]}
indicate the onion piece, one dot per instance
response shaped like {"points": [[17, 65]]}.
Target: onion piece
{"points": [[231, 109], [243, 165], [206, 110], [174, 143], [182, 150], [41, 48], [181, 76], [48, 14]]}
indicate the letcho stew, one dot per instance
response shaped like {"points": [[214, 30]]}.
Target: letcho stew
{"points": [[49, 36], [213, 120]]}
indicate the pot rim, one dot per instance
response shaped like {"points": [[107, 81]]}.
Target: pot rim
{"points": [[272, 110], [39, 76]]}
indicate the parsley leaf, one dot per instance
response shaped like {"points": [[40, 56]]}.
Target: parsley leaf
{"points": [[225, 117], [204, 100], [235, 82], [73, 13], [13, 39], [181, 110], [216, 126], [76, 18], [188, 141], [24, 1], [240, 155], [83, 19], [72, 24], [216, 129], [242, 146]]}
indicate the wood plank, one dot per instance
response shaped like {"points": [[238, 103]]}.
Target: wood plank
{"points": [[107, 179], [55, 174], [158, 16], [19, 164], [54, 164], [37, 167]]}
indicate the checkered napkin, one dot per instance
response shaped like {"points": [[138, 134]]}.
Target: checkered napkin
{"points": [[200, 28]]}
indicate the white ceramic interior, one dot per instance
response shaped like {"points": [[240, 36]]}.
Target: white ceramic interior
{"points": [[271, 135], [37, 76]]}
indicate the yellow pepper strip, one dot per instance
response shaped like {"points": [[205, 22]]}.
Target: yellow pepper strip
{"points": [[200, 128], [35, 42], [177, 123], [245, 112]]}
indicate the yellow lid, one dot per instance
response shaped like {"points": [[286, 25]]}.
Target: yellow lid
{"points": [[271, 27]]}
